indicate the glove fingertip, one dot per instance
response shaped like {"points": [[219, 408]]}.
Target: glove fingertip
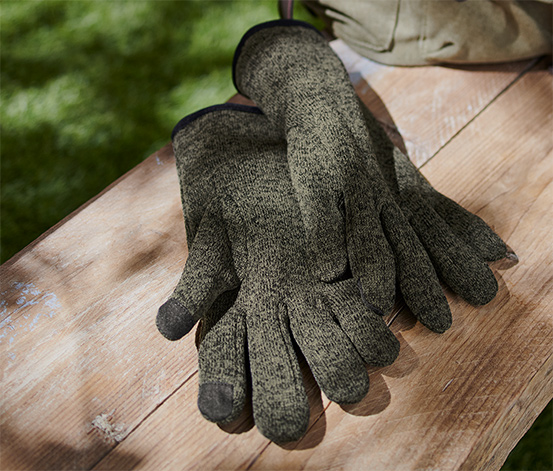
{"points": [[390, 353], [352, 392], [508, 259], [215, 401], [494, 249], [484, 292], [287, 425], [173, 320], [438, 321], [511, 255]]}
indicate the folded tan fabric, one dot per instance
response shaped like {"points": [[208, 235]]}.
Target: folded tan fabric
{"points": [[426, 32]]}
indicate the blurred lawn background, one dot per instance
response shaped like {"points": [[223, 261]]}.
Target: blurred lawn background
{"points": [[91, 88]]}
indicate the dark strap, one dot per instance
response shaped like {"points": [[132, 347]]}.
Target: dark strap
{"points": [[286, 9]]}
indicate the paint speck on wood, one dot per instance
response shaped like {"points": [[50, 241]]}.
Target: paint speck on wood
{"points": [[109, 431]]}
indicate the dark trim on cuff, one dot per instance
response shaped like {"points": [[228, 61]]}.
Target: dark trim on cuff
{"points": [[255, 29], [210, 109]]}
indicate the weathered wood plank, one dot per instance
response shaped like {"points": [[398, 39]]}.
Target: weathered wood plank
{"points": [[427, 106], [83, 366], [455, 401], [78, 340]]}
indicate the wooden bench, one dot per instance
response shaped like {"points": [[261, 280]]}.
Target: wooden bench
{"points": [[89, 383]]}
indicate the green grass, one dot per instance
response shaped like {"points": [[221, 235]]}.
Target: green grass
{"points": [[535, 451], [89, 89]]}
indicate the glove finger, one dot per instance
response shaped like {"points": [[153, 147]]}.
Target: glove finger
{"points": [[471, 229], [222, 369], [280, 406], [367, 331], [334, 362], [320, 211], [209, 271], [371, 257], [325, 230], [214, 314], [455, 262], [418, 281]]}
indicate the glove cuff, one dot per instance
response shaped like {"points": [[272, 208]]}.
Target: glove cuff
{"points": [[254, 41], [211, 109]]}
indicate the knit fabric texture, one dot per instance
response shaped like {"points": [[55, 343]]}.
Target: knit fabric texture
{"points": [[300, 223], [249, 276], [458, 242], [352, 220]]}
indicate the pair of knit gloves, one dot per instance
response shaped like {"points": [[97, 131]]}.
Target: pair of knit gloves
{"points": [[302, 218]]}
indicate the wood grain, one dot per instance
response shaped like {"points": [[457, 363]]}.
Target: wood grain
{"points": [[89, 383], [427, 106], [78, 333]]}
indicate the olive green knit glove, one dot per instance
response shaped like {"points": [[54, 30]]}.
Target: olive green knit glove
{"points": [[248, 272], [349, 212], [457, 241]]}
